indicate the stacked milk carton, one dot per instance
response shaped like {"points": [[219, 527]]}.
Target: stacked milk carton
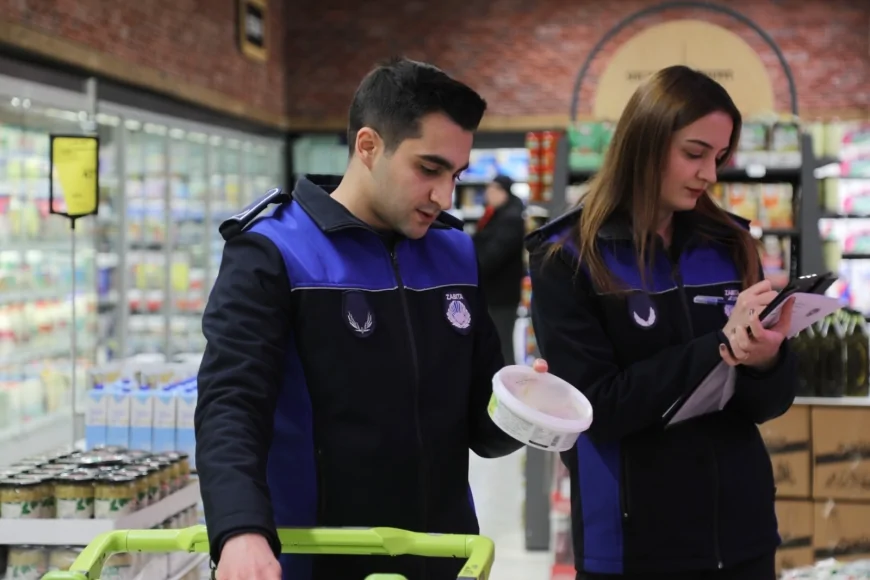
{"points": [[148, 407]]}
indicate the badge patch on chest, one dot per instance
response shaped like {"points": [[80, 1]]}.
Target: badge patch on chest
{"points": [[731, 295], [642, 310], [358, 315], [457, 312]]}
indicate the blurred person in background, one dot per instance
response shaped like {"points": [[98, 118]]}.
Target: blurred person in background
{"points": [[499, 245]]}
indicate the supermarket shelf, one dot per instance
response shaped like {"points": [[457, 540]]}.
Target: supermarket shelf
{"points": [[834, 401], [73, 532], [36, 436]]}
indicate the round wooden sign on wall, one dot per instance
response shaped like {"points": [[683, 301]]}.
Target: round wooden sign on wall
{"points": [[701, 45]]}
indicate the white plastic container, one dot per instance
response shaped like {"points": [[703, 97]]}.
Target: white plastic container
{"points": [[538, 409]]}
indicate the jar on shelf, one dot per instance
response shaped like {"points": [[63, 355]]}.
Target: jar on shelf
{"points": [[142, 485], [74, 496], [27, 562], [21, 498], [174, 468], [114, 496], [164, 475], [152, 481], [61, 558]]}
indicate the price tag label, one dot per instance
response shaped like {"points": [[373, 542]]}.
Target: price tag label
{"points": [[74, 181]]}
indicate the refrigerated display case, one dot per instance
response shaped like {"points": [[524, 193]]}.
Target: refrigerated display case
{"points": [[144, 265], [37, 273], [180, 180]]}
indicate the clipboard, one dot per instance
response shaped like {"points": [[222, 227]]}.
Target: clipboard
{"points": [[717, 387]]}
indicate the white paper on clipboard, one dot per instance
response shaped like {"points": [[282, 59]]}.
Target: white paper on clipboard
{"points": [[712, 394], [808, 309], [717, 388]]}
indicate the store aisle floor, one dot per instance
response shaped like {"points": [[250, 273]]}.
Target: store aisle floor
{"points": [[498, 488]]}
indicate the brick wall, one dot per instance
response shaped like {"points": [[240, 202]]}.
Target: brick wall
{"points": [[524, 56], [193, 41]]}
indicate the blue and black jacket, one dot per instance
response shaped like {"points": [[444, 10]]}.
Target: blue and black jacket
{"points": [[346, 376], [645, 498]]}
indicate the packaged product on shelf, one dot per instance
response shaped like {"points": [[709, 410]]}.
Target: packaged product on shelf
{"points": [[776, 255], [549, 142], [74, 496], [61, 558], [185, 436], [22, 497], [141, 417], [114, 495], [742, 199], [776, 207], [533, 145], [118, 429], [753, 146], [785, 144], [27, 562], [847, 196]]}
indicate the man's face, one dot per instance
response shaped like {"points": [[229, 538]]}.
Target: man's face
{"points": [[415, 183]]}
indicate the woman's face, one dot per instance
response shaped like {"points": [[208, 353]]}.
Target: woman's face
{"points": [[695, 152]]}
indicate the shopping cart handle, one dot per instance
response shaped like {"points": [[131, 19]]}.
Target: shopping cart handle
{"points": [[478, 551]]}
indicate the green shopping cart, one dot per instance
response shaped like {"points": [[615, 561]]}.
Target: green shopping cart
{"points": [[478, 551]]}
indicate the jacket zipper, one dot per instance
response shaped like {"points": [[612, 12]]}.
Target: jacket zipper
{"points": [[321, 486], [626, 503], [678, 278], [717, 552], [415, 363]]}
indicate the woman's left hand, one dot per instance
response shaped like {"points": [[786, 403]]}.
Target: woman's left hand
{"points": [[540, 365], [757, 347]]}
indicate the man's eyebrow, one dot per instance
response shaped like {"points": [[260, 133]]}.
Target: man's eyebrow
{"points": [[445, 163]]}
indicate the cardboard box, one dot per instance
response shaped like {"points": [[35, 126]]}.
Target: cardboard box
{"points": [[841, 530], [795, 519], [788, 442], [841, 453]]}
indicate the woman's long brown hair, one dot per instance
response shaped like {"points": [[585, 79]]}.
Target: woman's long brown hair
{"points": [[629, 181]]}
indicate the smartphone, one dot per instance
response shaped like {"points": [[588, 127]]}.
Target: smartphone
{"points": [[809, 284]]}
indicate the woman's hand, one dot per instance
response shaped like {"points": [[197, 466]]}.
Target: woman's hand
{"points": [[751, 301], [753, 345], [540, 365]]}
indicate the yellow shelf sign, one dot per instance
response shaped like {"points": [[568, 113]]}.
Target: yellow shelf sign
{"points": [[74, 189]]}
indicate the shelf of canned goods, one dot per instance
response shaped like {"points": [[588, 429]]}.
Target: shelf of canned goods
{"points": [[52, 505]]}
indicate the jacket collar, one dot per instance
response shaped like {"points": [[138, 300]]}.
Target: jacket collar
{"points": [[314, 194], [618, 227]]}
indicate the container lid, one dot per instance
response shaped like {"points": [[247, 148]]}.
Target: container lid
{"points": [[21, 481], [75, 477], [545, 398], [116, 477]]}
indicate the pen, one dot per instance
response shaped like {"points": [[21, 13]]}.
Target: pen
{"points": [[710, 300]]}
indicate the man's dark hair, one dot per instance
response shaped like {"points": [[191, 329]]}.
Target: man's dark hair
{"points": [[396, 95]]}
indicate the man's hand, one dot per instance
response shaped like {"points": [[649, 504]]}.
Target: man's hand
{"points": [[248, 557], [758, 347]]}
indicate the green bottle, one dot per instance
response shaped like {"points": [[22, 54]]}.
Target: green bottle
{"points": [[857, 357]]}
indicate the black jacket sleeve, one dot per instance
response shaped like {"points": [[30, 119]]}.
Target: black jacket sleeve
{"points": [[502, 244], [762, 396], [486, 439], [577, 349], [245, 323]]}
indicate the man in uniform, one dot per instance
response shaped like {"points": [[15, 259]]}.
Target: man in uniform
{"points": [[350, 354]]}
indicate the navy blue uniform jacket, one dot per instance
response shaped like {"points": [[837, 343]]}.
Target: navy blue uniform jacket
{"points": [[699, 495], [346, 376]]}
